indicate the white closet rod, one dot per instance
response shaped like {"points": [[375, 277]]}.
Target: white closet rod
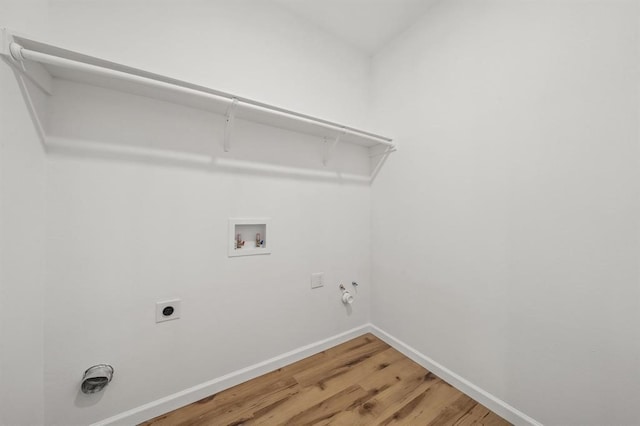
{"points": [[19, 53]]}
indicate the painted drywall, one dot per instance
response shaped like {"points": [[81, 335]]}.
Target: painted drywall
{"points": [[379, 21], [122, 234], [22, 219], [505, 230], [518, 271], [250, 48]]}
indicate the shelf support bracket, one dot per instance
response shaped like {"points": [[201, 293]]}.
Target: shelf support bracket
{"points": [[33, 71], [329, 148], [231, 115], [377, 165], [385, 152]]}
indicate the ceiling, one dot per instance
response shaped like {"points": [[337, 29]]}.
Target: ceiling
{"points": [[365, 24]]}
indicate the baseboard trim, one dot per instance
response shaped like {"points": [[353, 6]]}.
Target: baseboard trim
{"points": [[195, 393], [493, 403]]}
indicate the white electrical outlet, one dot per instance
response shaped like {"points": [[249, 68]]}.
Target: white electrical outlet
{"points": [[317, 279], [168, 310]]}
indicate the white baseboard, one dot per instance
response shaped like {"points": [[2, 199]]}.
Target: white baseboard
{"points": [[195, 393], [493, 403]]}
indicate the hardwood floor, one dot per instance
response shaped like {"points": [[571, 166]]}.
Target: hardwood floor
{"points": [[361, 382]]}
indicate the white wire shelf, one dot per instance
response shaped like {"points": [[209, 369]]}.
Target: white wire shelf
{"points": [[41, 62]]}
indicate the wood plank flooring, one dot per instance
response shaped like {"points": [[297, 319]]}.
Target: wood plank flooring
{"points": [[361, 382]]}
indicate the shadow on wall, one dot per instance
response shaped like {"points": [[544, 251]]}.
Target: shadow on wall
{"points": [[83, 400]]}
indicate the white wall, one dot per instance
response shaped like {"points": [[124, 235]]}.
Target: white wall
{"points": [[505, 230], [250, 48], [505, 237], [22, 219], [123, 235]]}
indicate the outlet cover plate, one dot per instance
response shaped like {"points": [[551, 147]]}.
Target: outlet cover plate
{"points": [[162, 315], [317, 279]]}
